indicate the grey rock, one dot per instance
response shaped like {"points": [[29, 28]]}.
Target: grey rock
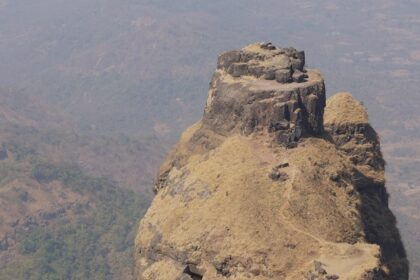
{"points": [[283, 76], [292, 106], [279, 125], [334, 177], [317, 265], [297, 64], [301, 56], [270, 74], [283, 165], [254, 105], [296, 117], [226, 59], [283, 62], [298, 76], [276, 175], [238, 69], [256, 70], [193, 269], [312, 104]]}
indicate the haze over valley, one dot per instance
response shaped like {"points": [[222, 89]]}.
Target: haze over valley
{"points": [[93, 94]]}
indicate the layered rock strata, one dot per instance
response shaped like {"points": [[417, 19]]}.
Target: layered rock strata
{"points": [[250, 92], [267, 186]]}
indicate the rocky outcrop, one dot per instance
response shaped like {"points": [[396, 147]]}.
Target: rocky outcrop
{"points": [[261, 88], [347, 126], [267, 186]]}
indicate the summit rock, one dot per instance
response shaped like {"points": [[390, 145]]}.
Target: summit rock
{"points": [[261, 88]]}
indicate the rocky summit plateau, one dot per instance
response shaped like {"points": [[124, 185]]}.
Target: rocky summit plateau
{"points": [[274, 182]]}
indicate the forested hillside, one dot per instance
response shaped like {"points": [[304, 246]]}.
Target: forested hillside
{"points": [[69, 202], [60, 223]]}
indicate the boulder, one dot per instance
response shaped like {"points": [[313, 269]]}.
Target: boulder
{"points": [[297, 64], [283, 76], [238, 69], [298, 76]]}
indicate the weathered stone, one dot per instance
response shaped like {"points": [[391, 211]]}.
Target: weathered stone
{"points": [[192, 272], [292, 106], [283, 76], [301, 56], [256, 70], [238, 69], [226, 59], [279, 125], [334, 177], [255, 269], [317, 265], [262, 60], [192, 269], [252, 105], [269, 74], [281, 111], [298, 76], [283, 165], [277, 175], [312, 103], [322, 271], [282, 62], [296, 117], [297, 64]]}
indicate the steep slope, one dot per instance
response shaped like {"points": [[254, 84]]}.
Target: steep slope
{"points": [[259, 190]]}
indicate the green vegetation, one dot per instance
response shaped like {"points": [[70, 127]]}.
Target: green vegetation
{"points": [[94, 243]]}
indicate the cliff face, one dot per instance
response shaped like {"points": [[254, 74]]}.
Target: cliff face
{"points": [[264, 89], [269, 186]]}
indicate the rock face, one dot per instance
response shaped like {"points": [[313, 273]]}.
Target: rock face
{"points": [[264, 89], [269, 186]]}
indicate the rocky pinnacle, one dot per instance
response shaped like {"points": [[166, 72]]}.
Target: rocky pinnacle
{"points": [[262, 88], [268, 186]]}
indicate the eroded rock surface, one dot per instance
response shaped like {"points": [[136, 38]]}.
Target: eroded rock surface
{"points": [[261, 88], [263, 187]]}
